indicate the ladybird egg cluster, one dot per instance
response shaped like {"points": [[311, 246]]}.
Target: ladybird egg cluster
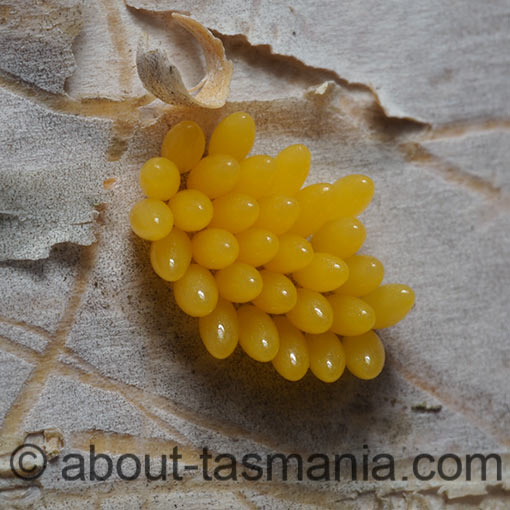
{"points": [[262, 261]]}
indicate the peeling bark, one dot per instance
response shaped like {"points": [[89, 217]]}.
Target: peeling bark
{"points": [[36, 41]]}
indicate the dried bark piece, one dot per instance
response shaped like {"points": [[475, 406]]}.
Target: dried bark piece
{"points": [[49, 441], [164, 80], [417, 69]]}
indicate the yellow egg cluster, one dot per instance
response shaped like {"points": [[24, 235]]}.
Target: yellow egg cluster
{"points": [[262, 261]]}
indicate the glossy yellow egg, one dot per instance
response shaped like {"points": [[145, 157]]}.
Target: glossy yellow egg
{"points": [[324, 273], [215, 175], [279, 295], [220, 330], [151, 219], [292, 360], [196, 292], [234, 136], [214, 248], [352, 194], [192, 209], [364, 355], [256, 176], [294, 253], [184, 144], [365, 274], [291, 169], [239, 282], [342, 237], [315, 202], [351, 315], [312, 312], [327, 357], [391, 303], [257, 246], [277, 213], [258, 335], [235, 212], [159, 178], [171, 256]]}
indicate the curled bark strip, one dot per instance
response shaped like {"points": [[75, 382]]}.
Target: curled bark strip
{"points": [[163, 79]]}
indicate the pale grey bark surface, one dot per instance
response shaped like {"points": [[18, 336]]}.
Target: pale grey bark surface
{"points": [[413, 94]]}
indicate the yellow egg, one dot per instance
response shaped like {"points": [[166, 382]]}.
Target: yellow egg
{"points": [[365, 274], [184, 144], [258, 335], [220, 330], [352, 194], [256, 176], [364, 355], [234, 136], [192, 210], [391, 302], [291, 169], [277, 213], [342, 237], [292, 360], [351, 315], [214, 248], [324, 273], [312, 312], [327, 357], [239, 282], [235, 212], [257, 246], [215, 175], [159, 178], [294, 253], [315, 202], [278, 294], [151, 219], [171, 256], [196, 292]]}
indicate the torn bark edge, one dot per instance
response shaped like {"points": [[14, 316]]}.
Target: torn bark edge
{"points": [[160, 77], [49, 441]]}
